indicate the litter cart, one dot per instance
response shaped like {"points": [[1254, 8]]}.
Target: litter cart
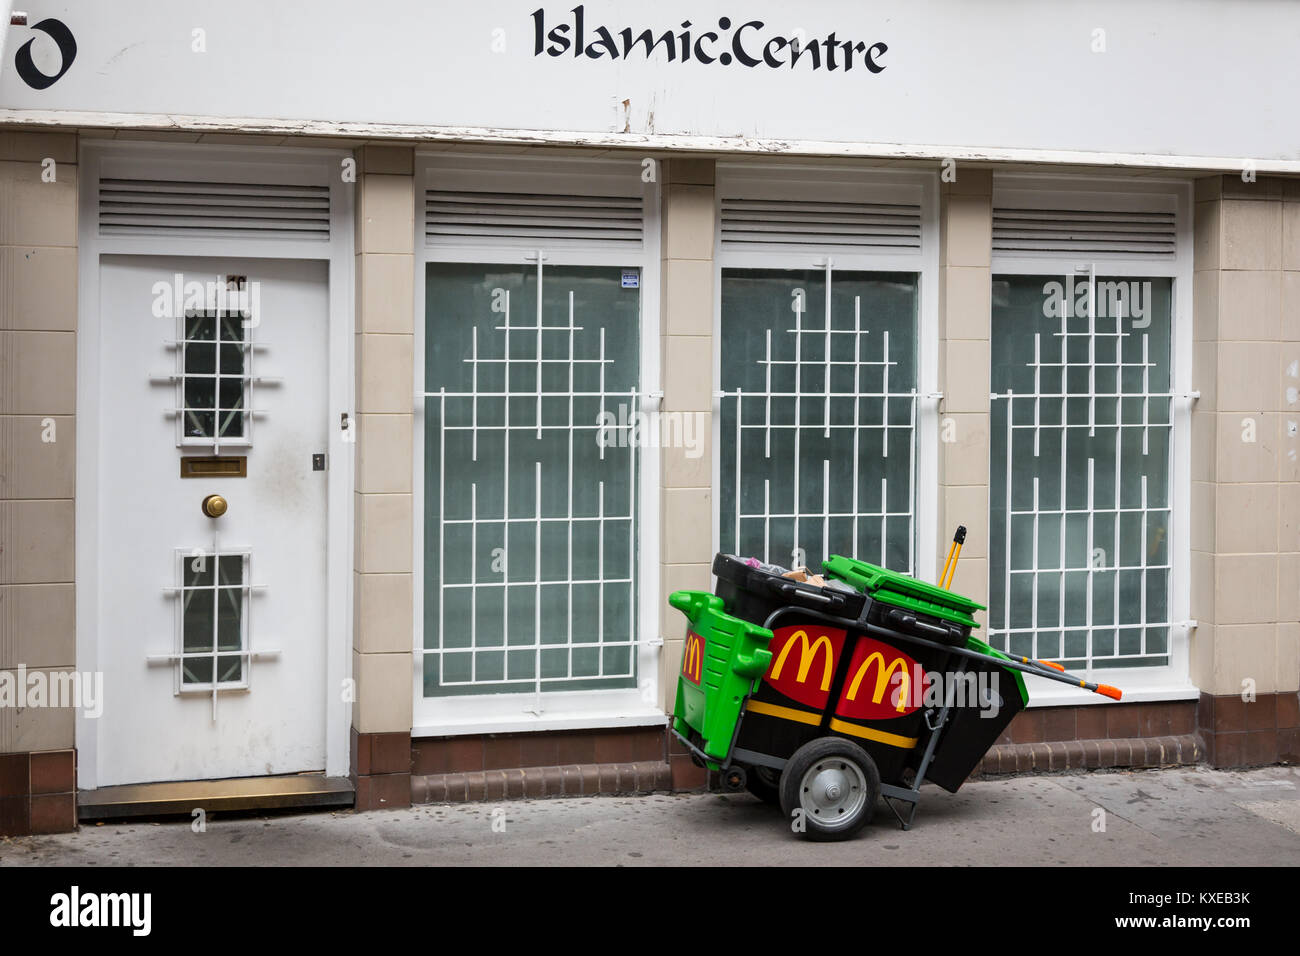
{"points": [[825, 694]]}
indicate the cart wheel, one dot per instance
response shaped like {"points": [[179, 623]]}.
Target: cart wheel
{"points": [[765, 783], [733, 779], [832, 785]]}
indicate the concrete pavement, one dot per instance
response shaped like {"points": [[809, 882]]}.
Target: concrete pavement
{"points": [[1189, 817]]}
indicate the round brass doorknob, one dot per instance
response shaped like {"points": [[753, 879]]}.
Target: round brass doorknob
{"points": [[214, 506]]}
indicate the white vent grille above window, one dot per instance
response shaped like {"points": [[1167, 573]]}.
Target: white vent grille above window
{"points": [[832, 225], [245, 210], [1085, 233], [460, 216]]}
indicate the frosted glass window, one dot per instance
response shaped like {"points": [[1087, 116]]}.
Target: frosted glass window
{"points": [[1080, 484], [817, 447], [530, 518]]}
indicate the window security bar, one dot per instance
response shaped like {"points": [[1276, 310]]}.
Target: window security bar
{"points": [[545, 592], [888, 429], [1039, 632]]}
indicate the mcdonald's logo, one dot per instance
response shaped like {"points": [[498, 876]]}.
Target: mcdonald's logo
{"points": [[693, 659], [803, 662], [892, 692]]}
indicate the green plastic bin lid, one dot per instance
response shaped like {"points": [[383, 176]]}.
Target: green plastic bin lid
{"points": [[899, 590]]}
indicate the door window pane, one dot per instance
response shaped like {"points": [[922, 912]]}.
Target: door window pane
{"points": [[1080, 485], [818, 422], [530, 517], [214, 605]]}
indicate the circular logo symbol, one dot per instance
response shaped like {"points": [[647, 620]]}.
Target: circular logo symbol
{"points": [[57, 31]]}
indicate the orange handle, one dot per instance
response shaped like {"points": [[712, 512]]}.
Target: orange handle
{"points": [[1107, 691], [1053, 666]]}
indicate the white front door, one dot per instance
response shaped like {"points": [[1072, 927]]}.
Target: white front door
{"points": [[211, 630]]}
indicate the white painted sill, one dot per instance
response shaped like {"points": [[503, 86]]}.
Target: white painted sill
{"points": [[523, 723], [1047, 693]]}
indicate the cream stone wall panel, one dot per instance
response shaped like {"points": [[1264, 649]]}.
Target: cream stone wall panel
{"points": [[38, 625], [1291, 235], [969, 232], [972, 580], [30, 729], [670, 662], [38, 288], [386, 159], [1288, 587], [1245, 589], [1203, 586], [1205, 375], [1245, 652], [38, 213], [386, 293], [1207, 236], [686, 577], [687, 536], [38, 373], [36, 541], [1239, 460], [1261, 189], [967, 308], [30, 466], [1208, 188], [384, 449], [32, 147], [1204, 517], [386, 214], [970, 182], [1288, 657], [384, 703], [688, 373], [1204, 444], [1288, 521], [1250, 305], [688, 298], [1247, 518], [1205, 304], [1291, 307], [385, 374], [383, 538], [1200, 663], [1243, 382], [1252, 234], [693, 172], [688, 228], [967, 505], [685, 467], [966, 387], [382, 613], [966, 458]]}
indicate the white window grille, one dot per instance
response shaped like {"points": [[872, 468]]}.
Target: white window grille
{"points": [[824, 376], [213, 648], [1089, 427], [540, 338], [1083, 426], [819, 409], [534, 497]]}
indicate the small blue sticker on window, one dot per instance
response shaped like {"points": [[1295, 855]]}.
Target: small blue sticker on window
{"points": [[631, 279]]}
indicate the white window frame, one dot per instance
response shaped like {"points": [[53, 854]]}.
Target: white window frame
{"points": [[561, 710], [828, 182], [1171, 681]]}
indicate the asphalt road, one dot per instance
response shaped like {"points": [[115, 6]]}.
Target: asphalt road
{"points": [[1194, 817]]}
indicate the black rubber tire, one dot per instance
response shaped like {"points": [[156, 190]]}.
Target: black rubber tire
{"points": [[765, 783], [830, 751]]}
